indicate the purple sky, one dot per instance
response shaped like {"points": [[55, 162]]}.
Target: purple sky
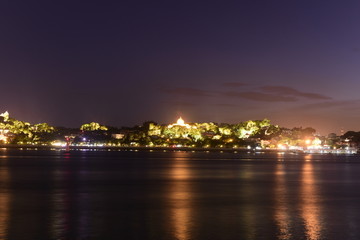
{"points": [[121, 63]]}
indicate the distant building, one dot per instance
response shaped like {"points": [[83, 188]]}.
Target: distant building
{"points": [[118, 135], [180, 122]]}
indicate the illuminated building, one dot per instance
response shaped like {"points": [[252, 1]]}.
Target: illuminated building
{"points": [[180, 122]]}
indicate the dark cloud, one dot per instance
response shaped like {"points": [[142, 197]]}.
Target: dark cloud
{"points": [[267, 93], [234, 84], [329, 105], [288, 91], [188, 91], [261, 97]]}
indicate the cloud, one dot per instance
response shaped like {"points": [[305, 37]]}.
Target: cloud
{"points": [[266, 93], [261, 97], [188, 91], [234, 84], [288, 91], [329, 104]]}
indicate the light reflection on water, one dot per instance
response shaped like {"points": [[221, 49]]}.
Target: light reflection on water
{"points": [[180, 195], [250, 212], [282, 207], [60, 220], [69, 208], [311, 202], [306, 217]]}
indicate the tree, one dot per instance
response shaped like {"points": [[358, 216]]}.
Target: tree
{"points": [[5, 116], [42, 128], [93, 126]]}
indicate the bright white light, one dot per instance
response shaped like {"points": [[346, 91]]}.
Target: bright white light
{"points": [[282, 147], [180, 122], [58, 144]]}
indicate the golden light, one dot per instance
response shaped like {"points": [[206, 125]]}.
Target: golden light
{"points": [[307, 141], [3, 138], [311, 203], [180, 122], [316, 141], [281, 146], [58, 143], [180, 193]]}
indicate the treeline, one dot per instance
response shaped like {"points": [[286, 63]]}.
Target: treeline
{"points": [[252, 133]]}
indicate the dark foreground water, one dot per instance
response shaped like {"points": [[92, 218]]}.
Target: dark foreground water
{"points": [[178, 195]]}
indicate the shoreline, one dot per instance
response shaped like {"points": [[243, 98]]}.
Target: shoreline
{"points": [[186, 149], [138, 148]]}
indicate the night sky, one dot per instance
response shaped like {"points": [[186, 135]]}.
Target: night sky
{"points": [[122, 63]]}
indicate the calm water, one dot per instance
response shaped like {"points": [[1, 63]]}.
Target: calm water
{"points": [[178, 195]]}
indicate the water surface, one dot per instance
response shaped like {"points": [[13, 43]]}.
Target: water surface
{"points": [[178, 195]]}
